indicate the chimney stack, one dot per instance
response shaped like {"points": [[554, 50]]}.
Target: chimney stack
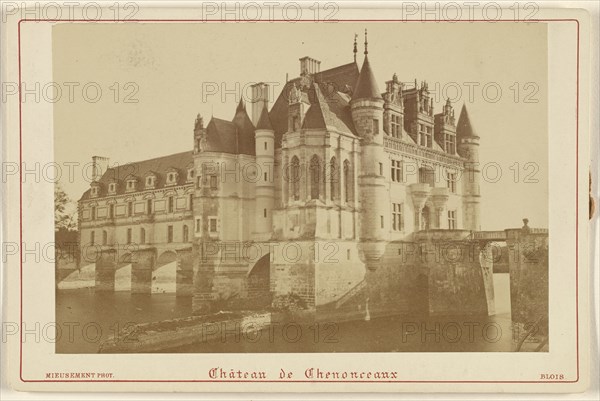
{"points": [[309, 66], [99, 167]]}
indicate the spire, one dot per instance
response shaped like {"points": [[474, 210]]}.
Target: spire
{"points": [[366, 43], [264, 122], [241, 106], [464, 128], [355, 46], [366, 87]]}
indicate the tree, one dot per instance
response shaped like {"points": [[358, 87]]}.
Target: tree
{"points": [[63, 220]]}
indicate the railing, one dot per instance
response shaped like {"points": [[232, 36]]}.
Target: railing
{"points": [[490, 235], [406, 147]]}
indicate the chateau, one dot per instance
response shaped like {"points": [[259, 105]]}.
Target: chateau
{"points": [[297, 201]]}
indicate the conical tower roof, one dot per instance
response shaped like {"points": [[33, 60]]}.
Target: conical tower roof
{"points": [[464, 128], [366, 86], [264, 122]]}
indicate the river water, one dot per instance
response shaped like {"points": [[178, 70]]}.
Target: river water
{"points": [[85, 318]]}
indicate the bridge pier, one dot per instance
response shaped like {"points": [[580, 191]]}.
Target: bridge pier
{"points": [[142, 265], [185, 273], [106, 266]]}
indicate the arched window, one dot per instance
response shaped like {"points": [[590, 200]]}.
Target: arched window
{"points": [[333, 178], [315, 177], [185, 233], [347, 181], [295, 178]]}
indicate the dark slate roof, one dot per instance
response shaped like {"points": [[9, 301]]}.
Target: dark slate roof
{"points": [[464, 127], [341, 77], [264, 122], [221, 136], [245, 132], [366, 86], [158, 166], [235, 137], [329, 109]]}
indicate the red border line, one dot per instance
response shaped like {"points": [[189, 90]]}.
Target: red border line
{"points": [[303, 381]]}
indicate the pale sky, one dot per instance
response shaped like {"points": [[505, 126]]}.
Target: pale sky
{"points": [[170, 65]]}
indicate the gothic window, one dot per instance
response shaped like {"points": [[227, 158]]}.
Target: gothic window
{"points": [[450, 144], [451, 181], [213, 182], [397, 173], [295, 178], [398, 216], [427, 176], [348, 178], [395, 125], [212, 225], [429, 137], [185, 233], [333, 178], [451, 219], [315, 177]]}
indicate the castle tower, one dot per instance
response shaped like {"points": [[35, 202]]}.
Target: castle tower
{"points": [[367, 113], [468, 148], [265, 190]]}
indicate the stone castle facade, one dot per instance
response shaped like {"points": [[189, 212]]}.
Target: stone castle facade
{"points": [[296, 202]]}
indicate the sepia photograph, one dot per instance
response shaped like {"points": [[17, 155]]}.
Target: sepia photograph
{"points": [[302, 188]]}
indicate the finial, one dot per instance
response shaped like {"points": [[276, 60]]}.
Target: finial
{"points": [[355, 46], [366, 43]]}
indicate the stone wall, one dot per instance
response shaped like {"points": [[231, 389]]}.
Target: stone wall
{"points": [[528, 264]]}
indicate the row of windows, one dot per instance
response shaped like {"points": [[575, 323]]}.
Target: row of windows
{"points": [[150, 183], [422, 218], [142, 236], [149, 207], [315, 175]]}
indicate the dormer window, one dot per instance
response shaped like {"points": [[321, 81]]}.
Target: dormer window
{"points": [[172, 177], [112, 188], [190, 175], [95, 190], [131, 184], [150, 181]]}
